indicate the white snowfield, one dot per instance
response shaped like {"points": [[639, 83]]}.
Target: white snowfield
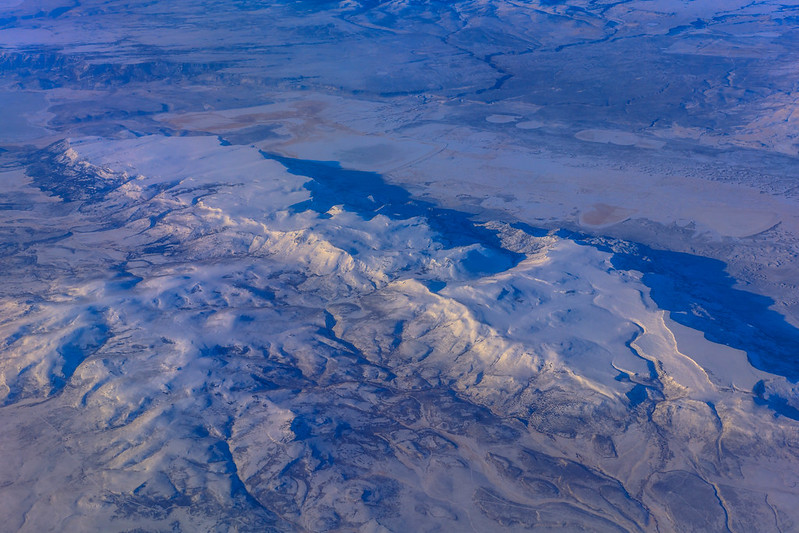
{"points": [[479, 265], [192, 348]]}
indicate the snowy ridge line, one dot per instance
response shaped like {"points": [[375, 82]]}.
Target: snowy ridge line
{"points": [[699, 293], [330, 370]]}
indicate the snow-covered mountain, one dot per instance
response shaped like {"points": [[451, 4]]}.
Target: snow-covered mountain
{"points": [[391, 266], [199, 334]]}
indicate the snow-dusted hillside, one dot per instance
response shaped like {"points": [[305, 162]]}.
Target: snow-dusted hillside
{"points": [[200, 335], [392, 266]]}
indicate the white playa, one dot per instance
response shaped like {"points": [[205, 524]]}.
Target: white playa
{"points": [[501, 119]]}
